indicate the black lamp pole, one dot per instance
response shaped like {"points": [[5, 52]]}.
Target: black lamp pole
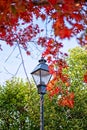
{"points": [[41, 77], [41, 112]]}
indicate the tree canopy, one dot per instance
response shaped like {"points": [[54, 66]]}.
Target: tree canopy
{"points": [[69, 19], [19, 109]]}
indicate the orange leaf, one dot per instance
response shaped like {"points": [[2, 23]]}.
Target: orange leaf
{"points": [[65, 33]]}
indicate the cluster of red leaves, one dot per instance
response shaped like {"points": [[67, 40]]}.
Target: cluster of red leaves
{"points": [[71, 10], [85, 78], [67, 100], [20, 35], [60, 84], [52, 48], [12, 11], [60, 81]]}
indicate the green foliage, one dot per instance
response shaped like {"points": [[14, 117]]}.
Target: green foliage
{"points": [[15, 101], [77, 61]]}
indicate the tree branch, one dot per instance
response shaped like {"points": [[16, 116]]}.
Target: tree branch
{"points": [[10, 54], [23, 64], [45, 2]]}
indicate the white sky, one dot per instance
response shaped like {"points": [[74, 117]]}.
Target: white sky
{"points": [[9, 65]]}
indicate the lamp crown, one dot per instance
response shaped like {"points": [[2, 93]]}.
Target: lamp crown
{"points": [[42, 60]]}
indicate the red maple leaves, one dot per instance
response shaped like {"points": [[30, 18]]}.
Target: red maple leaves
{"points": [[60, 84], [85, 78], [60, 11], [67, 100]]}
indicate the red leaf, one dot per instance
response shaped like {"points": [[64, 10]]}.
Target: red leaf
{"points": [[43, 17], [78, 26], [65, 33], [28, 53], [53, 2], [85, 78], [67, 100]]}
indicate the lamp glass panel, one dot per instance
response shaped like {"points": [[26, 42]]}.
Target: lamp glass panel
{"points": [[45, 77], [36, 77], [41, 77]]}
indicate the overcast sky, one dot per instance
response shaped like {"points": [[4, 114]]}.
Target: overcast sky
{"points": [[10, 60]]}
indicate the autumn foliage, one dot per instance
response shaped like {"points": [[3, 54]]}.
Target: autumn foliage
{"points": [[85, 77], [61, 11], [68, 19]]}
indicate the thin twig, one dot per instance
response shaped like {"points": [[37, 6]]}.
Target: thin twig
{"points": [[10, 54], [18, 68], [8, 71], [13, 75], [23, 64]]}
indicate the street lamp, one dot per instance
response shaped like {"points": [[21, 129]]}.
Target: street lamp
{"points": [[41, 77]]}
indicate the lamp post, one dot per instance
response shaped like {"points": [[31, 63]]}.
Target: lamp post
{"points": [[41, 77]]}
